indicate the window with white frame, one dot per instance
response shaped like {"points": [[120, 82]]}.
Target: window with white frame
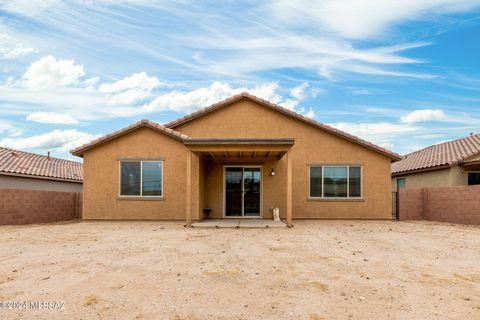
{"points": [[141, 178], [335, 181]]}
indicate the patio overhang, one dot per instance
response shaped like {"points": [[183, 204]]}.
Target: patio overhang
{"points": [[240, 149]]}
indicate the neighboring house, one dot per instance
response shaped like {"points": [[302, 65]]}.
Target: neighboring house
{"points": [[24, 170], [448, 164], [241, 157]]}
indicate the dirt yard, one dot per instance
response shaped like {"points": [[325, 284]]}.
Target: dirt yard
{"points": [[316, 270]]}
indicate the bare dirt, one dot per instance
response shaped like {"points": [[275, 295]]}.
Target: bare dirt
{"points": [[316, 270]]}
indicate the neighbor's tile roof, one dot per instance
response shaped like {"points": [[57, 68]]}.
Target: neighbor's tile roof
{"points": [[290, 113], [30, 164], [439, 155], [143, 123]]}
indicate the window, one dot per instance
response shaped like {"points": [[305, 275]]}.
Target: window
{"points": [[401, 183], [473, 178], [335, 181], [141, 178]]}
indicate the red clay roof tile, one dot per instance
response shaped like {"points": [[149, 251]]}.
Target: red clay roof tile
{"points": [[440, 155], [25, 163]]}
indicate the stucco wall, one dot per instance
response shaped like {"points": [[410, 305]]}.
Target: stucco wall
{"points": [[101, 178], [246, 119], [273, 188], [14, 182], [449, 177]]}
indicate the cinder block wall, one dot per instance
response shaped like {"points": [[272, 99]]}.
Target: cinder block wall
{"points": [[449, 204], [20, 206], [410, 204]]}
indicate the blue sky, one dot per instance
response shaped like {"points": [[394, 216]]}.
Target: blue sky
{"points": [[402, 74]]}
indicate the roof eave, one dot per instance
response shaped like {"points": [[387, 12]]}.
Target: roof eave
{"points": [[404, 173], [32, 176]]}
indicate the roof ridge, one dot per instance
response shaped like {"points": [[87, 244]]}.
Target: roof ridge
{"points": [[39, 155]]}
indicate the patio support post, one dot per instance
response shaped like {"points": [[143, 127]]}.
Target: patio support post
{"points": [[289, 189], [188, 193]]}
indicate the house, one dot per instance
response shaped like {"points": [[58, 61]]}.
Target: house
{"points": [[448, 164], [238, 158], [25, 170]]}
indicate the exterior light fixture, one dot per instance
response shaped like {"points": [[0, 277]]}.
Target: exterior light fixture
{"points": [[272, 173]]}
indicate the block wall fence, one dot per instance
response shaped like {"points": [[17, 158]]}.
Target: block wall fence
{"points": [[447, 204], [20, 206]]}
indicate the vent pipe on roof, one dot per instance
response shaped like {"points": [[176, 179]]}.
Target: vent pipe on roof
{"points": [[48, 154]]}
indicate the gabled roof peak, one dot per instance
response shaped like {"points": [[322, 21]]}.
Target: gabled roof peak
{"points": [[265, 103], [142, 123]]}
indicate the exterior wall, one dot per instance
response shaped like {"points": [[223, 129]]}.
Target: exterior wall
{"points": [[15, 182], [450, 204], [101, 178], [19, 206], [273, 188], [436, 178], [449, 177], [246, 119]]}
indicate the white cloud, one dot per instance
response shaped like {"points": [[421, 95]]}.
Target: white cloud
{"points": [[61, 140], [380, 133], [423, 115], [51, 117], [185, 102], [10, 51], [189, 101], [10, 130], [299, 91], [28, 7], [50, 72], [131, 89], [363, 19]]}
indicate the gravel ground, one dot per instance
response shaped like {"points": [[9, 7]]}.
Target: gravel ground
{"points": [[316, 270]]}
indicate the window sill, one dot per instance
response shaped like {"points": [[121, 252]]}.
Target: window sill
{"points": [[337, 199], [135, 198]]}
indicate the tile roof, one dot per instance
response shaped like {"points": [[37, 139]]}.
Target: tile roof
{"points": [[440, 155], [143, 123], [14, 162], [290, 113]]}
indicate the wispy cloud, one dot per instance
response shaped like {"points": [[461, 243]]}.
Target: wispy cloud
{"points": [[61, 140], [423, 115], [363, 19], [51, 117]]}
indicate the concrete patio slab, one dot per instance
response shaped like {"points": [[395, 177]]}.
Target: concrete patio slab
{"points": [[239, 223]]}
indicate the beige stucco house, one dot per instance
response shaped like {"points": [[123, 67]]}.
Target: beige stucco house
{"points": [[239, 158], [448, 164]]}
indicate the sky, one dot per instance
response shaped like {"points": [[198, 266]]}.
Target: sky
{"points": [[401, 74]]}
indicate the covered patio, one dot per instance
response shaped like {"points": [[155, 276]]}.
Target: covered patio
{"points": [[237, 180]]}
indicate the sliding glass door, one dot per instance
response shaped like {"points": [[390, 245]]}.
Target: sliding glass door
{"points": [[242, 191]]}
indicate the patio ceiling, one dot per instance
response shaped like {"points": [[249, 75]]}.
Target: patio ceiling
{"points": [[240, 149]]}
